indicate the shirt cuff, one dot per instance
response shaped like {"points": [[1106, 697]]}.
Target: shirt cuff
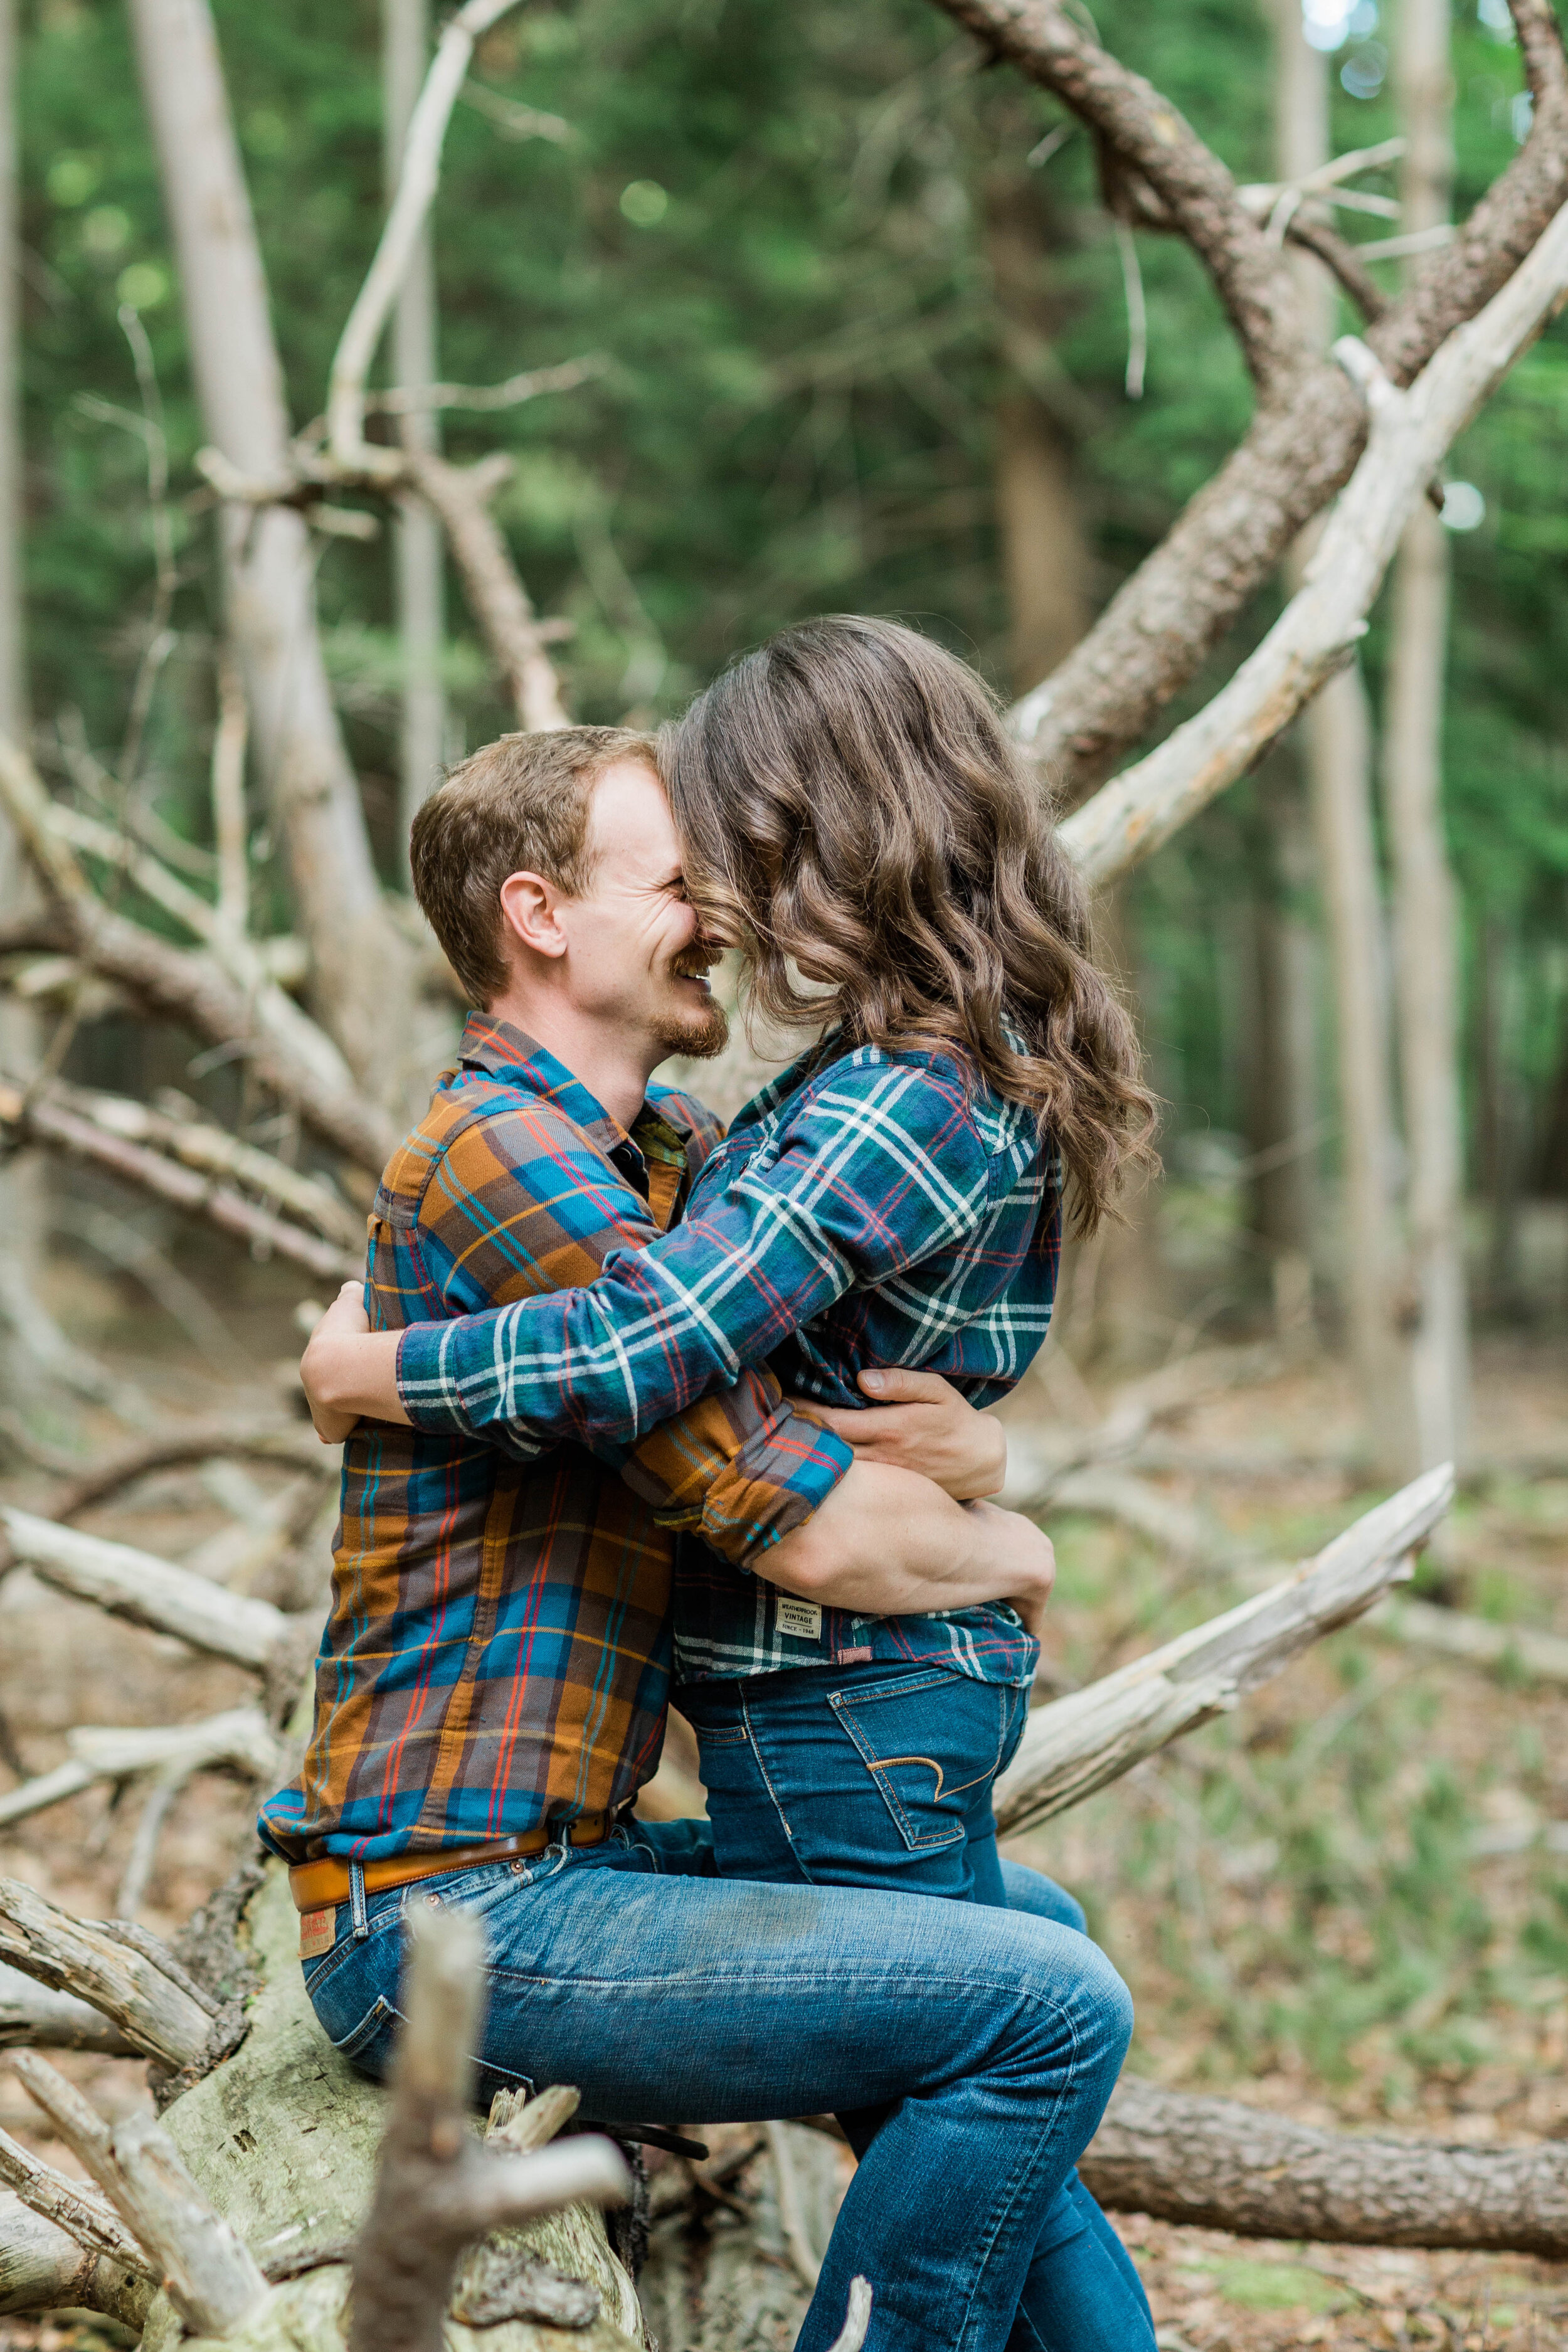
{"points": [[783, 1474], [428, 1390]]}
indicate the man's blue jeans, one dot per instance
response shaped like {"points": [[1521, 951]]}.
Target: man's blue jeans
{"points": [[881, 1776], [668, 1994]]}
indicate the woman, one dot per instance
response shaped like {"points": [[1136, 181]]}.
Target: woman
{"points": [[855, 816]]}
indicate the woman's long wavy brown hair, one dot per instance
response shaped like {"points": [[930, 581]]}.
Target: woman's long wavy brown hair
{"points": [[851, 805]]}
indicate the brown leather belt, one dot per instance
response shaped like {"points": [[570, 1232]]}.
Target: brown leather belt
{"points": [[318, 1886]]}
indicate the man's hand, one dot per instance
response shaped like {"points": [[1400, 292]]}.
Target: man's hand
{"points": [[919, 1421], [889, 1543], [342, 1364]]}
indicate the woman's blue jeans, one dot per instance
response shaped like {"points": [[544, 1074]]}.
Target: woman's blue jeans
{"points": [[667, 1994], [881, 1776]]}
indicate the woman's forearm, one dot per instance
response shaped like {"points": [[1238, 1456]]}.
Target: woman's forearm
{"points": [[889, 1543]]}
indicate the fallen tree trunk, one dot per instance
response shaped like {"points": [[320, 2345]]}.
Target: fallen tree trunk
{"points": [[1214, 2164]]}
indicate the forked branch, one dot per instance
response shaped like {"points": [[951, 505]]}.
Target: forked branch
{"points": [[436, 2187], [87, 1958], [1411, 432]]}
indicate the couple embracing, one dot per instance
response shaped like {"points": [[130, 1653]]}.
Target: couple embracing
{"points": [[638, 1402]]}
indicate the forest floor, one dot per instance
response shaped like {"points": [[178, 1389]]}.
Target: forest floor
{"points": [[1348, 1902]]}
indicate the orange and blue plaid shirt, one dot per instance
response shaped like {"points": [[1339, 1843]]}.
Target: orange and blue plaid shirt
{"points": [[869, 1207], [498, 1651]]}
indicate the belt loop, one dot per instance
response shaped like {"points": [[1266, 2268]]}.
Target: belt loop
{"points": [[357, 1902]]}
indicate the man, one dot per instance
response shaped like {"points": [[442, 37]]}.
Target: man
{"points": [[492, 1682]]}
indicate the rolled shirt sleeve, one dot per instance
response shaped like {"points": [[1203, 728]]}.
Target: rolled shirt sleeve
{"points": [[879, 1164]]}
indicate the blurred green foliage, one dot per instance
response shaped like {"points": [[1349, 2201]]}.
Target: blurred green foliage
{"points": [[773, 224]]}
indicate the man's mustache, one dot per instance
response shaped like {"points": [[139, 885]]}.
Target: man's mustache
{"points": [[698, 957]]}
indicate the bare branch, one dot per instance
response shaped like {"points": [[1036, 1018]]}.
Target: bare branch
{"points": [[412, 400], [241, 1737], [43, 1115], [496, 595], [208, 2271], [203, 1440], [32, 2017], [83, 2213], [415, 193], [83, 1957], [1346, 261], [1314, 636], [1211, 2163], [44, 2269], [250, 1014], [792, 2212], [856, 2319], [148, 1592], [1299, 450], [1150, 143], [1078, 1744]]}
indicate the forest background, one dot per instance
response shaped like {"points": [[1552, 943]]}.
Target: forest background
{"points": [[857, 331]]}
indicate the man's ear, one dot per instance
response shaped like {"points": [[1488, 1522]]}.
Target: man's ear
{"points": [[531, 909]]}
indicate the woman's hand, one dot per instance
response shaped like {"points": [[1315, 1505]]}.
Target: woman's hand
{"points": [[919, 1422], [348, 1371]]}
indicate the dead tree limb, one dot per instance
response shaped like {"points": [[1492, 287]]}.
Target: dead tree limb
{"points": [[84, 2213], [1305, 437], [1411, 432], [241, 1737], [87, 1958], [207, 2270], [33, 2016], [150, 1592], [1079, 1743], [288, 1052], [1212, 2163], [856, 2319], [42, 1116], [497, 598], [436, 2187], [416, 186], [293, 1443], [44, 2269]]}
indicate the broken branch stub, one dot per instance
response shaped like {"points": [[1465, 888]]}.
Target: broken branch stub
{"points": [[1079, 1743], [87, 1958], [436, 2187]]}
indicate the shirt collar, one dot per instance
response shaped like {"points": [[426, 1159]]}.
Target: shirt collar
{"points": [[511, 1056]]}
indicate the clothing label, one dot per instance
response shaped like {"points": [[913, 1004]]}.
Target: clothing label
{"points": [[860, 1657], [801, 1617], [318, 1933]]}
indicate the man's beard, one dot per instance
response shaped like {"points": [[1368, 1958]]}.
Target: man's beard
{"points": [[695, 1036]]}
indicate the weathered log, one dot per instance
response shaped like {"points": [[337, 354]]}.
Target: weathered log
{"points": [[1079, 1743], [87, 1958], [44, 2269], [1214, 2164]]}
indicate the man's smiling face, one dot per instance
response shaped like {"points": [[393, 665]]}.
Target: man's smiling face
{"points": [[636, 950]]}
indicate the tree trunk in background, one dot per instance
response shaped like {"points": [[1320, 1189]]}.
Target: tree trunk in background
{"points": [[361, 966], [1339, 757], [21, 1183], [1044, 558], [1284, 1075], [1426, 917], [1336, 736], [419, 556]]}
